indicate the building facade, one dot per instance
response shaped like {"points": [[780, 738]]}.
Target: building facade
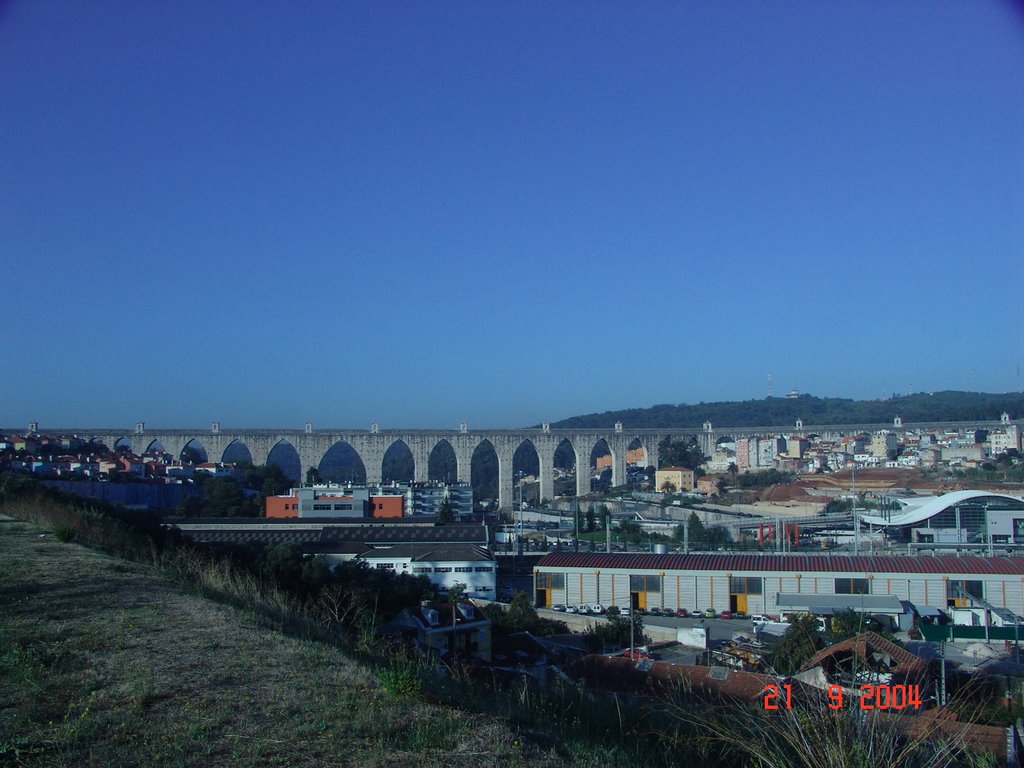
{"points": [[680, 478], [444, 564], [334, 501], [753, 583]]}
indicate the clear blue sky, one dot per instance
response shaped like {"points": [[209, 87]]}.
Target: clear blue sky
{"points": [[502, 213]]}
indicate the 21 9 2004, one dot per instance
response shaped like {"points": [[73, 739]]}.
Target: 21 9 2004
{"points": [[880, 697]]}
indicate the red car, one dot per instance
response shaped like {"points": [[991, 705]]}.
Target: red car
{"points": [[725, 615], [638, 654], [682, 613]]}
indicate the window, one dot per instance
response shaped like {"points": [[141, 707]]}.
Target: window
{"points": [[321, 507], [645, 583], [422, 570], [746, 585], [343, 506], [961, 588], [443, 570], [463, 569], [853, 587], [550, 581], [484, 569]]}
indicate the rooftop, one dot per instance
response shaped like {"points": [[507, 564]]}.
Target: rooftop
{"points": [[729, 562]]}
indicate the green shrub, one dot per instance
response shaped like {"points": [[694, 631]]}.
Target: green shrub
{"points": [[402, 676], [64, 532]]}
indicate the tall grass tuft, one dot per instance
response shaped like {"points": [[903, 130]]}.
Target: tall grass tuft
{"points": [[811, 735], [403, 675]]}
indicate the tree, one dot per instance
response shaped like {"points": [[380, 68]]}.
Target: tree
{"points": [[679, 533], [190, 506], [668, 487], [801, 641], [718, 537], [698, 533], [836, 506], [614, 632], [521, 613], [680, 453], [446, 512], [604, 516], [456, 592], [313, 476], [591, 519], [521, 616], [223, 498], [284, 562]]}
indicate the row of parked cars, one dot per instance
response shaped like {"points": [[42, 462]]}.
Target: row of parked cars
{"points": [[596, 609]]}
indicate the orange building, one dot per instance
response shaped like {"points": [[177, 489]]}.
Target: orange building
{"points": [[386, 506], [322, 502], [633, 456]]}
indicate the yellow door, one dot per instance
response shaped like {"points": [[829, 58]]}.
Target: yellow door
{"points": [[543, 598], [741, 603], [639, 600]]}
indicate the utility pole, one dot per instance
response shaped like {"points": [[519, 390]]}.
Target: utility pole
{"points": [[942, 677], [632, 626], [856, 519], [607, 530], [576, 524]]}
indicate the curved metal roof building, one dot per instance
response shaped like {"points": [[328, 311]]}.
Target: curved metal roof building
{"points": [[940, 511]]}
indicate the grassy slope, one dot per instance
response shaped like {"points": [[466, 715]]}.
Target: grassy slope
{"points": [[102, 663]]}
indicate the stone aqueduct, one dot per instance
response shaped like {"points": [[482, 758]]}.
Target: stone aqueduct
{"points": [[371, 445], [311, 445]]}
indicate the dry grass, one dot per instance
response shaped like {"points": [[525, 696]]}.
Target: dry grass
{"points": [[103, 662]]}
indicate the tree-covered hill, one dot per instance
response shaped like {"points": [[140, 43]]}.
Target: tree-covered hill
{"points": [[784, 411]]}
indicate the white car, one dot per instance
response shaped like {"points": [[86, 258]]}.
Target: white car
{"points": [[597, 608], [570, 609], [583, 608]]}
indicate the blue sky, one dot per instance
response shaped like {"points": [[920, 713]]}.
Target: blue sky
{"points": [[504, 213]]}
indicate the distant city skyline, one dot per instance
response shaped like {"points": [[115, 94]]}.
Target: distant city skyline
{"points": [[265, 214]]}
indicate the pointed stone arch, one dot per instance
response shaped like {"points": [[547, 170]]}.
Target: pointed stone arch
{"points": [[195, 447], [236, 452], [602, 471], [286, 457], [151, 446], [398, 463], [122, 443], [341, 463], [526, 462], [485, 469], [443, 463]]}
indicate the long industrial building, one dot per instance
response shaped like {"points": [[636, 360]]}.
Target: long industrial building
{"points": [[767, 583]]}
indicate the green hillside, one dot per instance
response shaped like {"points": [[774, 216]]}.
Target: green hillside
{"points": [[784, 411]]}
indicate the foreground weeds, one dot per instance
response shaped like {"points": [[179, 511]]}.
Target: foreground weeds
{"points": [[811, 735]]}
